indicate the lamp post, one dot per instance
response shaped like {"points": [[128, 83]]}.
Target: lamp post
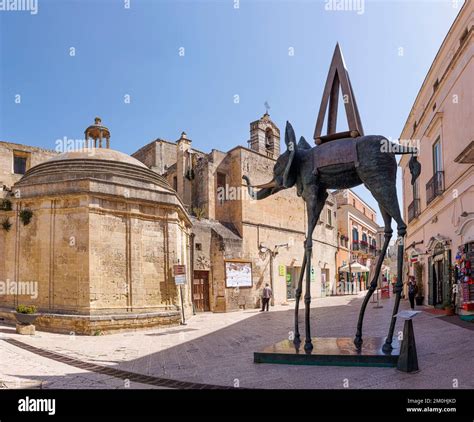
{"points": [[272, 253]]}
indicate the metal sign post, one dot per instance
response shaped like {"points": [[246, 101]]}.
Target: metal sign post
{"points": [[180, 280]]}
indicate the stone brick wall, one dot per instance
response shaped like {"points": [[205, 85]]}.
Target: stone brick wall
{"points": [[158, 155], [97, 248], [51, 251], [36, 156]]}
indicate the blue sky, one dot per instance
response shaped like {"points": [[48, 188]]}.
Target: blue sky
{"points": [[228, 51]]}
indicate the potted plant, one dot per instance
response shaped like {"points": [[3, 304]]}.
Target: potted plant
{"points": [[419, 284], [26, 315]]}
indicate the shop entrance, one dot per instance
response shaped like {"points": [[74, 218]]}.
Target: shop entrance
{"points": [[439, 276], [324, 281], [292, 276]]}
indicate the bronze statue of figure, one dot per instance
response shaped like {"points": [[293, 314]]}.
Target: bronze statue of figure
{"points": [[341, 164]]}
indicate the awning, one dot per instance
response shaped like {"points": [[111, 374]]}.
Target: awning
{"points": [[355, 268]]}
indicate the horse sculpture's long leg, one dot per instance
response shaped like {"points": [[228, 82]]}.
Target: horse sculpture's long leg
{"points": [[308, 345], [299, 288], [315, 200], [373, 285], [387, 347]]}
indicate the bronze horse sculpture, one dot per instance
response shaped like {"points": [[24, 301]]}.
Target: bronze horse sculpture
{"points": [[341, 164]]}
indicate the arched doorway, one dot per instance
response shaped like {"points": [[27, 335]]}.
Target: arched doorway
{"points": [[439, 277]]}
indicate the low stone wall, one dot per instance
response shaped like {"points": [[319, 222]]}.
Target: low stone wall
{"points": [[98, 324]]}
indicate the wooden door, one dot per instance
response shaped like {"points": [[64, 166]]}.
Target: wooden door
{"points": [[201, 291]]}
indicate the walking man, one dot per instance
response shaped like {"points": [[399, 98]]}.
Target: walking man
{"points": [[266, 296]]}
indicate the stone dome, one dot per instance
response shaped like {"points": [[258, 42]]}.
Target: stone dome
{"points": [[98, 154], [99, 172], [94, 163]]}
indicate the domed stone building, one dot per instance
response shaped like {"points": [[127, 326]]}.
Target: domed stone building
{"points": [[104, 235]]}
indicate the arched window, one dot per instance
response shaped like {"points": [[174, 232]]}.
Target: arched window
{"points": [[374, 244], [355, 235], [364, 238], [269, 140]]}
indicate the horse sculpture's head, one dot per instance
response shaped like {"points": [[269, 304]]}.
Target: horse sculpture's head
{"points": [[285, 169]]}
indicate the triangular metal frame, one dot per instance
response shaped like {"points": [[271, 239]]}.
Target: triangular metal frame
{"points": [[338, 77]]}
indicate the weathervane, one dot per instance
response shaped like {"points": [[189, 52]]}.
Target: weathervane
{"points": [[267, 107]]}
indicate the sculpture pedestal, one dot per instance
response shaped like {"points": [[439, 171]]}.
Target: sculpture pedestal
{"points": [[331, 352], [408, 361]]}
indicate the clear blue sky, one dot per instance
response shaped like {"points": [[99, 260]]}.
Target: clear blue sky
{"points": [[228, 51]]}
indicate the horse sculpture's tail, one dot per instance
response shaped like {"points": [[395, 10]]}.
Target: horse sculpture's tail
{"points": [[413, 164]]}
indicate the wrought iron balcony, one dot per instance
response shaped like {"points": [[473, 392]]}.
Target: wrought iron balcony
{"points": [[414, 209], [355, 246], [435, 186]]}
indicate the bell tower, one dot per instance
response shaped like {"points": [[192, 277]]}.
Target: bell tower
{"points": [[265, 137]]}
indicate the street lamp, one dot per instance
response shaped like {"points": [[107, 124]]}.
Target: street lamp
{"points": [[272, 253]]}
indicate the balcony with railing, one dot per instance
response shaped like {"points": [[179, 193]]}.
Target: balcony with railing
{"points": [[355, 245], [414, 209], [435, 187]]}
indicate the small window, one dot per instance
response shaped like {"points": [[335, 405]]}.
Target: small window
{"points": [[198, 246], [175, 183], [437, 161], [20, 162], [329, 222], [221, 187], [436, 85], [354, 203]]}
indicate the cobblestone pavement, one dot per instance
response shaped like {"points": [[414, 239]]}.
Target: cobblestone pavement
{"points": [[218, 349], [22, 369]]}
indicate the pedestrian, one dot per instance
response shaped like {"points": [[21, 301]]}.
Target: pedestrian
{"points": [[412, 290], [266, 296]]}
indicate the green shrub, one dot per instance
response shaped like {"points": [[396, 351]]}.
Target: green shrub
{"points": [[6, 225], [25, 309], [25, 216], [5, 205]]}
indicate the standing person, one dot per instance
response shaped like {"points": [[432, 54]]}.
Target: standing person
{"points": [[266, 296], [412, 290]]}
